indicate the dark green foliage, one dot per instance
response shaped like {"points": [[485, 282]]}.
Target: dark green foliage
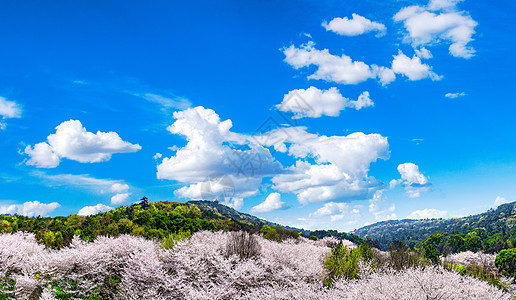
{"points": [[342, 262], [431, 253], [456, 243], [270, 233], [278, 233], [156, 220], [401, 257], [6, 284], [172, 238], [478, 271], [490, 232], [506, 262]]}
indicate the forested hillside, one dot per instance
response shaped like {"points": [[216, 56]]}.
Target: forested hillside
{"points": [[490, 231], [153, 220]]}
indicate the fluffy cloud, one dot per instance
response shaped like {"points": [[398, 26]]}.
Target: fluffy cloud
{"points": [[500, 200], [340, 169], [119, 198], [217, 164], [352, 153], [122, 195], [410, 173], [356, 26], [454, 95], [214, 152], [73, 142], [423, 53], [385, 75], [314, 103], [229, 189], [439, 21], [119, 188], [427, 213], [412, 67], [93, 210], [29, 209], [272, 202], [442, 4], [42, 155], [336, 212], [415, 182], [8, 110], [339, 69]]}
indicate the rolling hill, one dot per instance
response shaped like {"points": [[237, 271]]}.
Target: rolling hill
{"points": [[495, 224]]}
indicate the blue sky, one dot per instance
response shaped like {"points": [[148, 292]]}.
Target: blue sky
{"points": [[343, 113]]}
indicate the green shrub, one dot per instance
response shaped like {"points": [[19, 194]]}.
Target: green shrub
{"points": [[402, 257], [270, 233], [172, 238], [343, 262], [505, 261], [431, 253]]}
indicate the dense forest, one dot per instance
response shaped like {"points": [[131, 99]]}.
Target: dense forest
{"points": [[490, 231], [153, 220]]}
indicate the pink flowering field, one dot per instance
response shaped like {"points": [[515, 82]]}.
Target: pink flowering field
{"points": [[128, 267]]}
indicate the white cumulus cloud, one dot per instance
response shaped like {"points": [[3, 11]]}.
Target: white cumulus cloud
{"points": [[415, 182], [332, 68], [93, 210], [73, 142], [427, 213], [413, 68], [217, 164], [214, 156], [423, 53], [8, 110], [438, 22], [29, 208], [119, 188], [119, 198], [272, 202], [340, 169], [357, 25], [336, 211], [315, 103]]}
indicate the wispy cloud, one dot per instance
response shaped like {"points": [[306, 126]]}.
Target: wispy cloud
{"points": [[83, 181], [167, 102], [455, 95]]}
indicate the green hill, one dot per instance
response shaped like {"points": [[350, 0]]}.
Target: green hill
{"points": [[156, 220], [495, 228]]}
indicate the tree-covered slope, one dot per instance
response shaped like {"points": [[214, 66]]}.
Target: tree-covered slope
{"points": [[154, 220], [494, 227]]}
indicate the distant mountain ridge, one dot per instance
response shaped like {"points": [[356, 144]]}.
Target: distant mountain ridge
{"points": [[501, 220], [220, 210]]}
